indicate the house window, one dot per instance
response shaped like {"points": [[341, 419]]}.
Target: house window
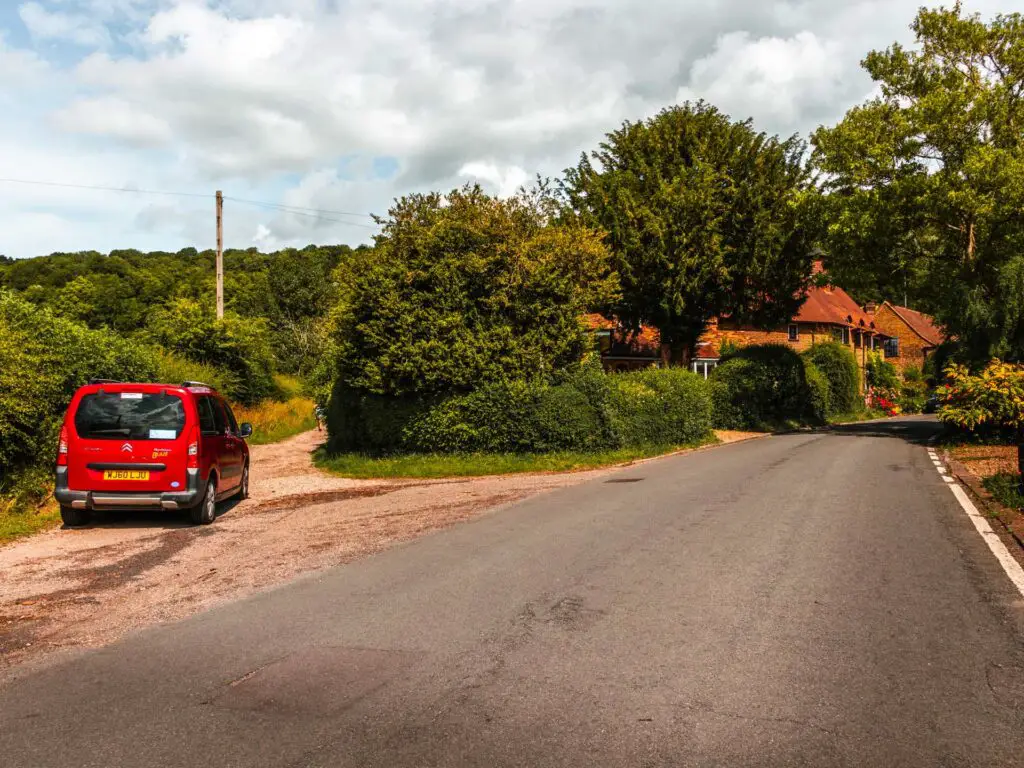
{"points": [[794, 333], [841, 335], [857, 339], [892, 347], [704, 367]]}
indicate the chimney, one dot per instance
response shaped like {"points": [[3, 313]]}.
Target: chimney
{"points": [[870, 308]]}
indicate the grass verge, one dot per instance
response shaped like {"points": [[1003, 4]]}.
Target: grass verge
{"points": [[18, 522], [868, 414], [1005, 488], [272, 421], [480, 464]]}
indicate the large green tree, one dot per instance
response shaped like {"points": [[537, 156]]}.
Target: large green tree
{"points": [[464, 288], [704, 217], [925, 181]]}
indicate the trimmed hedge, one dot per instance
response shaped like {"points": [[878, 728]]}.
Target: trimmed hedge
{"points": [[584, 410], [839, 366], [767, 385], [659, 407]]}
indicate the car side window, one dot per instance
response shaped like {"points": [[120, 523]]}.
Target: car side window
{"points": [[231, 416], [219, 419], [207, 421]]}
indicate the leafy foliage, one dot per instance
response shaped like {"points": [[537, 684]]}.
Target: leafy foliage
{"points": [[926, 180], [583, 411], [465, 289], [43, 360], [993, 397], [767, 385], [659, 407], [839, 367], [239, 346], [290, 289], [705, 217]]}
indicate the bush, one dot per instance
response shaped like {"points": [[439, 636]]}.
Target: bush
{"points": [[881, 375], [583, 410], [763, 386], [43, 360], [240, 346], [819, 391], [659, 407], [839, 367]]}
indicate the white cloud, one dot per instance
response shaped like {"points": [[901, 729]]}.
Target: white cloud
{"points": [[291, 102], [57, 25], [782, 81], [506, 180]]}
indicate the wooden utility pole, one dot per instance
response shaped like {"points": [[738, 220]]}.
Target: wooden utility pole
{"points": [[220, 255]]}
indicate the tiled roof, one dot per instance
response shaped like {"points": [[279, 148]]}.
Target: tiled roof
{"points": [[832, 305], [923, 325]]}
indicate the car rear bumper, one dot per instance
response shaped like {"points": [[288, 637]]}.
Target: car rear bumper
{"points": [[102, 500]]}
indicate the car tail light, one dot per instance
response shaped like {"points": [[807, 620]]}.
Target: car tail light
{"points": [[193, 449], [62, 448]]}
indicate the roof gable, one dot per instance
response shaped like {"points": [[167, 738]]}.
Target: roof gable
{"points": [[920, 323]]}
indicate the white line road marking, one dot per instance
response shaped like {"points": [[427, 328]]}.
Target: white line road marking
{"points": [[1011, 566]]}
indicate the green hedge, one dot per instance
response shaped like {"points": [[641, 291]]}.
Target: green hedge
{"points": [[659, 407], [582, 410], [839, 367], [765, 386], [43, 360]]}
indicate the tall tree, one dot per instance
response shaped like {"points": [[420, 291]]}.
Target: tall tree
{"points": [[926, 180], [704, 217]]}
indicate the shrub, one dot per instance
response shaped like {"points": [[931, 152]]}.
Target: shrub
{"points": [[762, 385], [659, 407], [819, 391], [839, 367], [881, 375], [583, 410], [238, 345], [43, 360]]}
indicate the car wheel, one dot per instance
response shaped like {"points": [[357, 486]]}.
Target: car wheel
{"points": [[243, 489], [73, 518], [205, 512]]}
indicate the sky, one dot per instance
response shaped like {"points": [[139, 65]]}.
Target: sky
{"points": [[333, 108]]}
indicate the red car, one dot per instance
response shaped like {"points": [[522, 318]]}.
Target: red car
{"points": [[155, 446]]}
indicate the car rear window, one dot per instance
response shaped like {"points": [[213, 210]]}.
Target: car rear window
{"points": [[130, 415]]}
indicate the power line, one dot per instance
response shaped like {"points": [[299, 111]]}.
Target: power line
{"points": [[284, 209], [104, 189], [300, 208], [297, 210]]}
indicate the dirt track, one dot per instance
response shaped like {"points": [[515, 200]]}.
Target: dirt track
{"points": [[85, 587]]}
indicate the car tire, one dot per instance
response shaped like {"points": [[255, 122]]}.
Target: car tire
{"points": [[205, 512], [243, 488], [73, 518]]}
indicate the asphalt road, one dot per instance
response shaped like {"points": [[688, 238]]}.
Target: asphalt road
{"points": [[811, 599]]}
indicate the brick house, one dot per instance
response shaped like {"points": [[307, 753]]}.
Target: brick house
{"points": [[827, 314], [911, 336]]}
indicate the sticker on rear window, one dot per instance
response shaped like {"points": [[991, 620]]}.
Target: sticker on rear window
{"points": [[162, 434], [131, 395]]}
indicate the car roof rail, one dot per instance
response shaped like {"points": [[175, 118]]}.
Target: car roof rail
{"points": [[104, 381], [194, 384]]}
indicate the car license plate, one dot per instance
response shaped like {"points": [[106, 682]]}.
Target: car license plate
{"points": [[124, 474]]}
